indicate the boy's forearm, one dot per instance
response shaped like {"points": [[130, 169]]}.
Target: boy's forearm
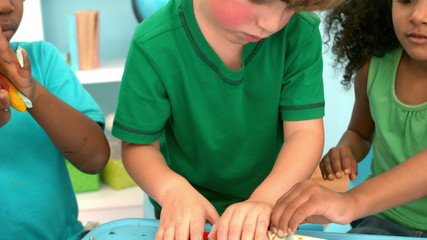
{"points": [[80, 139], [297, 161], [148, 168]]}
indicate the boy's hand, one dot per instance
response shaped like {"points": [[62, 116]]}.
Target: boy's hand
{"points": [[184, 215], [4, 107], [337, 162], [248, 220], [10, 67]]}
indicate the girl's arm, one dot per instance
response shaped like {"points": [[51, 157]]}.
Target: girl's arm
{"points": [[356, 141], [359, 134], [310, 202], [402, 184]]}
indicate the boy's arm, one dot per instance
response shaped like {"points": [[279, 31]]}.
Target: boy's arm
{"points": [[76, 136], [80, 139], [4, 107], [297, 160], [184, 209], [147, 166]]}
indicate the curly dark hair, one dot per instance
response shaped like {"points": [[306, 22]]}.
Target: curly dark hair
{"points": [[359, 29]]}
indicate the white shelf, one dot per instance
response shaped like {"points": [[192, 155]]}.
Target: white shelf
{"points": [[108, 72], [108, 204]]}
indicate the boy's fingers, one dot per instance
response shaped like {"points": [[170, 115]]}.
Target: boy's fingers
{"points": [[262, 227], [25, 68], [212, 234], [197, 229], [4, 46], [6, 53], [212, 218]]}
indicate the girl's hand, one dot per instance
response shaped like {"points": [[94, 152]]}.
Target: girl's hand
{"points": [[310, 202], [4, 107], [184, 215], [248, 220], [337, 162]]}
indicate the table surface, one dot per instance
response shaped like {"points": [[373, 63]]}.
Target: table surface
{"points": [[145, 229]]}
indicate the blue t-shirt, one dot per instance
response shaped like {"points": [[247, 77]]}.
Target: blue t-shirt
{"points": [[37, 200]]}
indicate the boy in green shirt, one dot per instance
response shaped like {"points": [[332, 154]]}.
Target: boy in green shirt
{"points": [[220, 111]]}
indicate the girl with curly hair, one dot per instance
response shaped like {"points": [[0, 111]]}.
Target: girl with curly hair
{"points": [[383, 45]]}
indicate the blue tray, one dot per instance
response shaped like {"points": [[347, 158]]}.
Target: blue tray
{"points": [[145, 229], [125, 229]]}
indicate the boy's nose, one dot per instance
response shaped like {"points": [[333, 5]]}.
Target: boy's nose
{"points": [[274, 20], [270, 23], [6, 6]]}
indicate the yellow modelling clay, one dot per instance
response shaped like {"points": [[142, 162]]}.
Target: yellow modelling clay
{"points": [[14, 99]]}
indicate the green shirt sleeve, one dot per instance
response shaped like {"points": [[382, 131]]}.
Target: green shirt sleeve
{"points": [[302, 94]]}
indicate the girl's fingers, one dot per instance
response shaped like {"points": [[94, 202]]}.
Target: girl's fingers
{"points": [[327, 171], [285, 208], [354, 171], [336, 163]]}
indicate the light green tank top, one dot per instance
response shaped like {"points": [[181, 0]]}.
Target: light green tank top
{"points": [[400, 132]]}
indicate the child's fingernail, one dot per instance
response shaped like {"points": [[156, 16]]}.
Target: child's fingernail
{"points": [[274, 230], [280, 234]]}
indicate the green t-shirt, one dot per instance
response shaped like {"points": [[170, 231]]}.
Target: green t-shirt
{"points": [[220, 129], [400, 132]]}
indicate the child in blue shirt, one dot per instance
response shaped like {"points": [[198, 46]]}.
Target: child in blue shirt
{"points": [[37, 200]]}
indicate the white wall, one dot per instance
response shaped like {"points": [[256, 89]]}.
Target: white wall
{"points": [[339, 104], [31, 28]]}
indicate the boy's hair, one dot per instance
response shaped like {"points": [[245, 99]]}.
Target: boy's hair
{"points": [[312, 5], [360, 29]]}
